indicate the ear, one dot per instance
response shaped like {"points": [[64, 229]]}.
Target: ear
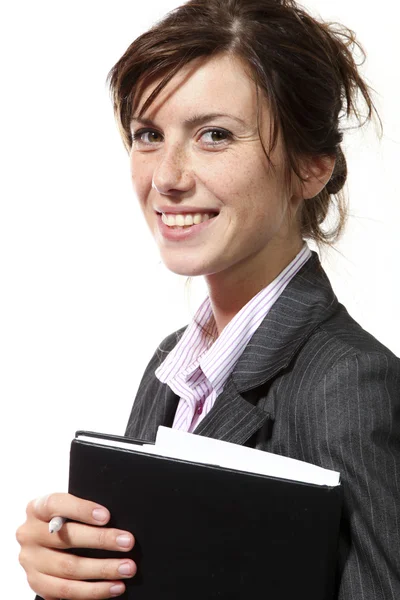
{"points": [[317, 171]]}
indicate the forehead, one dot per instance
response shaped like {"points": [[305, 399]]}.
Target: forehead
{"points": [[215, 83]]}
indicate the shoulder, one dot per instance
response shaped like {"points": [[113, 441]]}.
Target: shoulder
{"points": [[340, 369], [340, 342], [345, 388]]}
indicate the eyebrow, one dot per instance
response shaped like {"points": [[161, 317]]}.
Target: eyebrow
{"points": [[194, 120]]}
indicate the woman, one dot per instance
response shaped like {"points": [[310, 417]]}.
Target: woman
{"points": [[271, 359]]}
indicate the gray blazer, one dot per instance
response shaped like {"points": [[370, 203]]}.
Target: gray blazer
{"points": [[313, 385]]}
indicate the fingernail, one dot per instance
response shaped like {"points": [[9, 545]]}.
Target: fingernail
{"points": [[117, 589], [100, 514], [125, 569], [124, 540]]}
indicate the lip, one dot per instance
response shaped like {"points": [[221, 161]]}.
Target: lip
{"points": [[182, 233]]}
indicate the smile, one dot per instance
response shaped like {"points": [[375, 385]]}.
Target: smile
{"points": [[186, 220]]}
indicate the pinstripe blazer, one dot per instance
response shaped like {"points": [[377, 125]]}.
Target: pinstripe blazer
{"points": [[313, 385]]}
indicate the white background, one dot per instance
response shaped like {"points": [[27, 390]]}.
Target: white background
{"points": [[84, 298]]}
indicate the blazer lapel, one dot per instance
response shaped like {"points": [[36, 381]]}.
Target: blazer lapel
{"points": [[154, 405], [232, 418], [306, 302]]}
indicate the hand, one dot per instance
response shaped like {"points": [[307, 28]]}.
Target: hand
{"points": [[54, 574]]}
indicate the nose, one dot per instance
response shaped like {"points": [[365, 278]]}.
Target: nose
{"points": [[173, 172]]}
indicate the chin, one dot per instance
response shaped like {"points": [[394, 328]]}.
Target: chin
{"points": [[185, 265], [184, 270]]}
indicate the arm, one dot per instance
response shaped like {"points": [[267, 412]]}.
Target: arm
{"points": [[356, 412]]}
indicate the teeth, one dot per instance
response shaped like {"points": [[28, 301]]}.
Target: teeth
{"points": [[188, 220], [197, 219], [185, 220]]}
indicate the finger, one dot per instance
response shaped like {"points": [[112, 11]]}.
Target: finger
{"points": [[67, 566], [75, 535], [69, 506], [68, 589]]}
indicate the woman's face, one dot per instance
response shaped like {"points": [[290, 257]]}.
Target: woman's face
{"points": [[203, 181]]}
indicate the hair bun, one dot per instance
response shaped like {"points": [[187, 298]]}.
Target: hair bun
{"points": [[339, 175]]}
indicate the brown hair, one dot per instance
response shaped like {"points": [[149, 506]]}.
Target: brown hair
{"points": [[305, 68]]}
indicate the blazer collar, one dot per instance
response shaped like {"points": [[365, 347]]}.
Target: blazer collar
{"points": [[306, 302]]}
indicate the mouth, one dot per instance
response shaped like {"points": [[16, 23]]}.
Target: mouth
{"points": [[186, 220]]}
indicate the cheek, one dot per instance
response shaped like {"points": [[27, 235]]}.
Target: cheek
{"points": [[228, 180], [253, 195], [141, 177]]}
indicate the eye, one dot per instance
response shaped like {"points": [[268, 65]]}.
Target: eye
{"points": [[138, 136], [148, 137], [221, 135]]}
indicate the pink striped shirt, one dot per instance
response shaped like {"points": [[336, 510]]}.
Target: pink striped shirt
{"points": [[198, 367]]}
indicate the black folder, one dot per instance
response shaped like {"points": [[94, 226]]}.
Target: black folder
{"points": [[206, 532]]}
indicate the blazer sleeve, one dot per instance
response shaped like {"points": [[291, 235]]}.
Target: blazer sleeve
{"points": [[356, 412]]}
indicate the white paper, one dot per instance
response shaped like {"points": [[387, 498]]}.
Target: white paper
{"points": [[197, 448]]}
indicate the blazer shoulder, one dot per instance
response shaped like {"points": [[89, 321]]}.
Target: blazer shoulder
{"points": [[341, 341], [343, 332]]}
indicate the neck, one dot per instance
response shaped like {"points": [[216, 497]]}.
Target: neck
{"points": [[233, 288]]}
